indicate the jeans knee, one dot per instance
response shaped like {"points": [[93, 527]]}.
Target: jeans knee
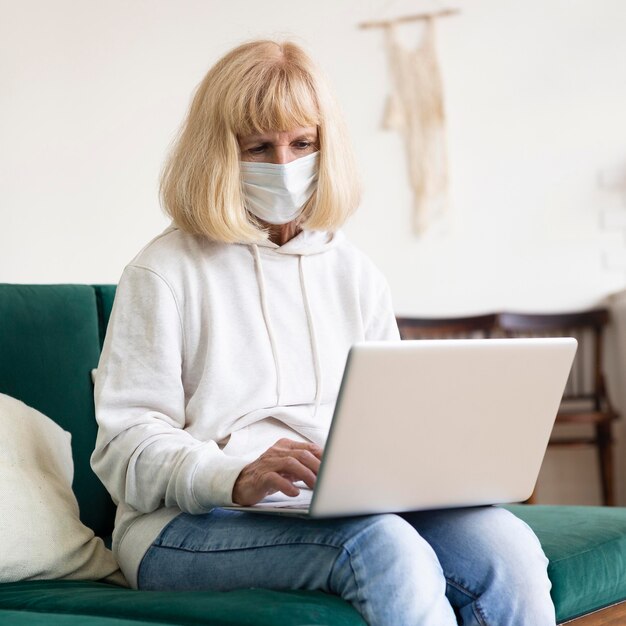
{"points": [[390, 552], [518, 583], [520, 550], [392, 575], [390, 539], [495, 565]]}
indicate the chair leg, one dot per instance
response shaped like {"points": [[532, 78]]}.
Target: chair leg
{"points": [[605, 458]]}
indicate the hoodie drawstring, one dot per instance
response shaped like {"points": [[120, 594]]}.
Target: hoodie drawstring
{"points": [[266, 317], [270, 329], [314, 345]]}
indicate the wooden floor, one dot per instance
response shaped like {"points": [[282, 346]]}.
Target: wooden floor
{"points": [[611, 616]]}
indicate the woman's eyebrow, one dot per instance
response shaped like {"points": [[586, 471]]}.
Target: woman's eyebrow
{"points": [[253, 139], [262, 139]]}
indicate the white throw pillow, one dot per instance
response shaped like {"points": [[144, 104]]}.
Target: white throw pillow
{"points": [[41, 535]]}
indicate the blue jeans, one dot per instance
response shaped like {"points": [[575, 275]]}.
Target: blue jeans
{"points": [[435, 568]]}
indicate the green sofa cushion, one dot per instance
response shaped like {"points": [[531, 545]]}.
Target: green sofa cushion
{"points": [[586, 546], [249, 607], [39, 618], [105, 294], [49, 342]]}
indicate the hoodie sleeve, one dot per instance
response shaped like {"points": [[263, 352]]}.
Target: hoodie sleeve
{"points": [[143, 454], [381, 323]]}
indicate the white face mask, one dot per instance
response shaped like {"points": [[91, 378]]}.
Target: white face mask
{"points": [[277, 193]]}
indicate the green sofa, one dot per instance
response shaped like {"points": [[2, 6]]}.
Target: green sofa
{"points": [[50, 340]]}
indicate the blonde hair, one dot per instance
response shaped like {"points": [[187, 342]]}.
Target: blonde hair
{"points": [[257, 87]]}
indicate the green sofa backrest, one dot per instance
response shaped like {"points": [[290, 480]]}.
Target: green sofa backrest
{"points": [[50, 340]]}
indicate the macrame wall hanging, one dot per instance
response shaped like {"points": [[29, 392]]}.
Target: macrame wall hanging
{"points": [[415, 108]]}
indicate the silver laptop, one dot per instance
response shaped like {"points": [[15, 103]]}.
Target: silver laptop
{"points": [[436, 423]]}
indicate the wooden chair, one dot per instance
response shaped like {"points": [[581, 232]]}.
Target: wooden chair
{"points": [[476, 326], [585, 400]]}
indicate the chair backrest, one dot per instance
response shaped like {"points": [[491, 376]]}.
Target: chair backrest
{"points": [[476, 326], [586, 380]]}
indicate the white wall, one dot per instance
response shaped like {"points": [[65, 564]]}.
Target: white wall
{"points": [[92, 93]]}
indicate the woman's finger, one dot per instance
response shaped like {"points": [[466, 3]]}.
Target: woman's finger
{"points": [[292, 467], [275, 482], [308, 459], [290, 444]]}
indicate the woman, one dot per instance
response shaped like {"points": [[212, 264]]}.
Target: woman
{"points": [[222, 363]]}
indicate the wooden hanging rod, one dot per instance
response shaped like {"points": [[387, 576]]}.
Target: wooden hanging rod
{"points": [[409, 18]]}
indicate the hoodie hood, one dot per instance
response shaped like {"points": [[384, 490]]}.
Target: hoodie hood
{"points": [[305, 243]]}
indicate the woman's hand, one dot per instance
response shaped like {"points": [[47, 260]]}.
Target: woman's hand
{"points": [[285, 463]]}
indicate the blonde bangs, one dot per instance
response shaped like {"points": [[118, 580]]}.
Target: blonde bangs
{"points": [[278, 97]]}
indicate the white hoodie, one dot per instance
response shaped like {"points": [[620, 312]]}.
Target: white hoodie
{"points": [[214, 352]]}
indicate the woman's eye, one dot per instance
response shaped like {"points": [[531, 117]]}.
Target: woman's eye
{"points": [[257, 149], [303, 145]]}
